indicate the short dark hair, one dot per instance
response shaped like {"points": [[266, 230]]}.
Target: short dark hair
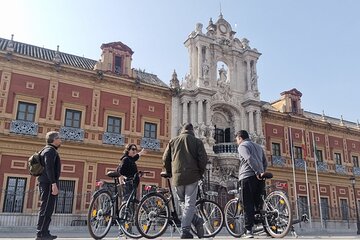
{"points": [[243, 134], [189, 127]]}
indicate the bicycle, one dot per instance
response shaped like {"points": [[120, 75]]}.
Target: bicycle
{"points": [[104, 209], [275, 217], [157, 210]]}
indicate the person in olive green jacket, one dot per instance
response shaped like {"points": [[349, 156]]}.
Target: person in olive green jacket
{"points": [[185, 159]]}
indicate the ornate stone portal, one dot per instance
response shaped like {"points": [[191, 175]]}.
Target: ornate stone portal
{"points": [[219, 95]]}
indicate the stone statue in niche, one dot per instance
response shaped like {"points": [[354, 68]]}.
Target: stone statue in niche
{"points": [[205, 69], [222, 74], [189, 82]]}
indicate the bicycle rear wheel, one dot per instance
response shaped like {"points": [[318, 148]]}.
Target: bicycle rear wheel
{"points": [[278, 220], [152, 216], [212, 215], [100, 215], [127, 220], [234, 217]]}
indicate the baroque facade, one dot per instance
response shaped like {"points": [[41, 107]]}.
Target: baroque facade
{"points": [[97, 106], [219, 96]]}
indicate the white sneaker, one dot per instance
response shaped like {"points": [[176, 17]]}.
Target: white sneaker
{"points": [[249, 234]]}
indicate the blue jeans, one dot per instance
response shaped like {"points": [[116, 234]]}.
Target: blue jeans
{"points": [[187, 196]]}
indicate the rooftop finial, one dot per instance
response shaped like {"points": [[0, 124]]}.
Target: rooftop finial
{"points": [[221, 15], [341, 120]]}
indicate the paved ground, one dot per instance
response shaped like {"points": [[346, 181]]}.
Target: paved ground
{"points": [[81, 233]]}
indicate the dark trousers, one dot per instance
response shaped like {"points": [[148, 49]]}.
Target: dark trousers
{"points": [[46, 209], [253, 188], [128, 188]]}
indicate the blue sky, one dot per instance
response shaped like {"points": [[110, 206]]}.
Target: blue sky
{"points": [[311, 45]]}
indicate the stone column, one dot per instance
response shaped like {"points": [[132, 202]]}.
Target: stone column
{"points": [[208, 114], [199, 70], [258, 122], [251, 121], [185, 111], [248, 75], [200, 111], [192, 112]]}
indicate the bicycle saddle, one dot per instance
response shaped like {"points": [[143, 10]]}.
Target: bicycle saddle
{"points": [[165, 175], [113, 174]]}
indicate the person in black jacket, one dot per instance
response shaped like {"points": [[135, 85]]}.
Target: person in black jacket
{"points": [[127, 167], [48, 185]]}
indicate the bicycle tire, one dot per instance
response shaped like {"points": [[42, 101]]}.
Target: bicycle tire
{"points": [[100, 214], [279, 223], [234, 218], [212, 215], [152, 215], [127, 220]]}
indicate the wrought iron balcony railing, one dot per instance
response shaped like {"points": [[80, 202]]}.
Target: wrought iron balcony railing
{"points": [[340, 169], [70, 133], [278, 161], [150, 143], [24, 127], [356, 171], [113, 139], [225, 148], [322, 167], [299, 163]]}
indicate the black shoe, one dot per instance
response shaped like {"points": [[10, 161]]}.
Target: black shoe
{"points": [[186, 235], [46, 237]]}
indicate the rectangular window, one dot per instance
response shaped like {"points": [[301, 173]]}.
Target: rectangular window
{"points": [[150, 130], [319, 156], [219, 135], [337, 158], [303, 205], [26, 112], [65, 199], [325, 208], [344, 209], [72, 118], [222, 135], [355, 160], [275, 149], [118, 65], [114, 125], [298, 153], [14, 195]]}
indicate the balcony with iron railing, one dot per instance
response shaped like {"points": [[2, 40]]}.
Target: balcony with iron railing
{"points": [[150, 143], [322, 166], [225, 148], [70, 133], [340, 169], [24, 127], [278, 161], [356, 171], [299, 163], [113, 139]]}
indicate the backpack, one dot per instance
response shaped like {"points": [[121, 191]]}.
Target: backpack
{"points": [[35, 165]]}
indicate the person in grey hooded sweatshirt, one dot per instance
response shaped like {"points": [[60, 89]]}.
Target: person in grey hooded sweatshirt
{"points": [[253, 164]]}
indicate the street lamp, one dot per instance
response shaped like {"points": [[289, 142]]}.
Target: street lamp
{"points": [[352, 179]]}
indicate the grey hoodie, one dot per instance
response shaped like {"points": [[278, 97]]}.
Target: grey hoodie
{"points": [[252, 159]]}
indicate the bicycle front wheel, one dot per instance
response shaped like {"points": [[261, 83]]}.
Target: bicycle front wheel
{"points": [[234, 217], [278, 220], [127, 220], [212, 215], [100, 215], [152, 215]]}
